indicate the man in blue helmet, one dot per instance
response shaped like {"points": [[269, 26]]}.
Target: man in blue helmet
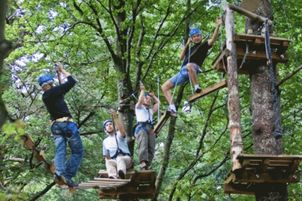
{"points": [[193, 58], [115, 148], [143, 133], [63, 128]]}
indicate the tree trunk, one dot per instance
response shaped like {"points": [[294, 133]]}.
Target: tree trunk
{"points": [[263, 112], [233, 91], [167, 147], [124, 83], [3, 52]]}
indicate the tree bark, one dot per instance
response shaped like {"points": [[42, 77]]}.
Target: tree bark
{"points": [[3, 52], [263, 120], [233, 91], [167, 147]]}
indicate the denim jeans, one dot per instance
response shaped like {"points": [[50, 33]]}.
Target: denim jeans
{"points": [[67, 133]]}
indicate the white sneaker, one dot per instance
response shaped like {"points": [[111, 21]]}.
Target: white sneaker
{"points": [[187, 107], [172, 110], [197, 88]]}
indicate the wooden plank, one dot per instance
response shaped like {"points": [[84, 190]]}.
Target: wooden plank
{"points": [[262, 156], [104, 174], [162, 121], [259, 55], [251, 37], [208, 90], [140, 185]]}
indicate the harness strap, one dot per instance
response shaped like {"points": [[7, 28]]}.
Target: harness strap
{"points": [[63, 119]]}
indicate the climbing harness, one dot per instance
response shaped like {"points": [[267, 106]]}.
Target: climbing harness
{"points": [[118, 150]]}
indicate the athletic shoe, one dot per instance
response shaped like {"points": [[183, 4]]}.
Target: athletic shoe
{"points": [[121, 174], [197, 89], [172, 110], [59, 179], [71, 184]]}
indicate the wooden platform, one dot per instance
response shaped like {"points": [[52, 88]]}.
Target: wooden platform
{"points": [[260, 171], [256, 52], [136, 185], [162, 121], [208, 90]]}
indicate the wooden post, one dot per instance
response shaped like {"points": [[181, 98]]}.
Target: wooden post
{"points": [[233, 91], [250, 14]]}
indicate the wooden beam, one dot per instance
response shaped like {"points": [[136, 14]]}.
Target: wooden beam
{"points": [[249, 14], [162, 121], [38, 154], [208, 90]]}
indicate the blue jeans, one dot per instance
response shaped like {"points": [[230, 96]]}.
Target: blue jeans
{"points": [[63, 133]]}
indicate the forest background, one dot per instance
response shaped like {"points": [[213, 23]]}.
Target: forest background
{"points": [[109, 46]]}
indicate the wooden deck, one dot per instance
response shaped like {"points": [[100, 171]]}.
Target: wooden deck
{"points": [[260, 171], [255, 45], [138, 184]]}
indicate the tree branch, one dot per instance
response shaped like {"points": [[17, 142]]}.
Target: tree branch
{"points": [[44, 191], [289, 76]]}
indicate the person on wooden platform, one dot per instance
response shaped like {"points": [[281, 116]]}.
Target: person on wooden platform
{"points": [[115, 148], [143, 133], [193, 58], [64, 129]]}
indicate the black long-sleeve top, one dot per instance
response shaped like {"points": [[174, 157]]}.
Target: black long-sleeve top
{"points": [[54, 99]]}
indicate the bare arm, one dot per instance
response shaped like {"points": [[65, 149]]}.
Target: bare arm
{"points": [[212, 40], [60, 70], [141, 96], [118, 123], [183, 51], [156, 102]]}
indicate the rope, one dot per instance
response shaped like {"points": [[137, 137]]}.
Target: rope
{"points": [[277, 132], [192, 89], [245, 54], [158, 108]]}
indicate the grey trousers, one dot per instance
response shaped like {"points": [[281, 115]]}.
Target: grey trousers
{"points": [[120, 163], [146, 145]]}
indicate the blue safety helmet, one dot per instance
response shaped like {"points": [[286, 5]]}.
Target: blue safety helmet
{"points": [[147, 93], [195, 31], [105, 122], [45, 79]]}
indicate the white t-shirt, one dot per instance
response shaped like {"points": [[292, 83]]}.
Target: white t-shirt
{"points": [[143, 114], [110, 145]]}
